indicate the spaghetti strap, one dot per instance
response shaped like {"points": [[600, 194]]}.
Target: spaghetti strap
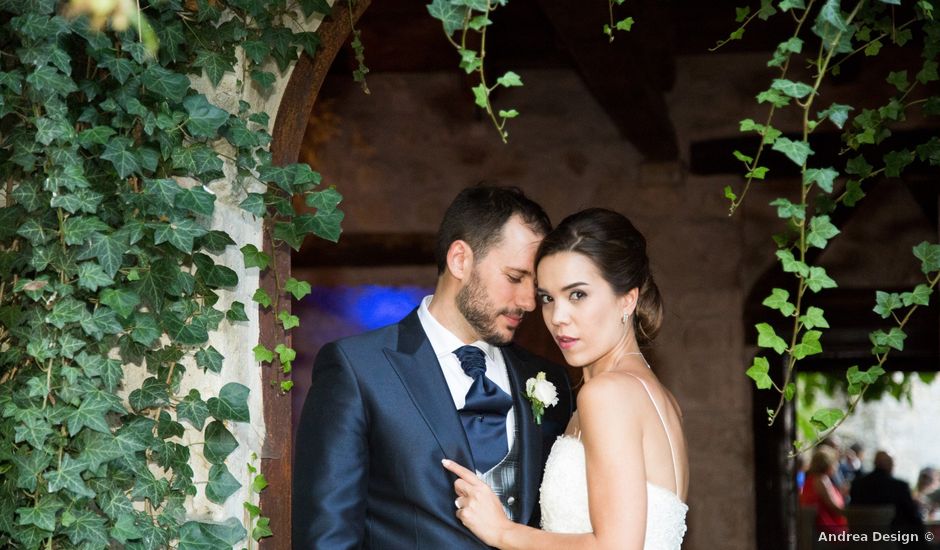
{"points": [[672, 451]]}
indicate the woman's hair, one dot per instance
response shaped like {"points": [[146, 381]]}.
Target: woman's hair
{"points": [[823, 459], [619, 251]]}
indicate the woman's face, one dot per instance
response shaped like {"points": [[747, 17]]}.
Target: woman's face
{"points": [[580, 308]]}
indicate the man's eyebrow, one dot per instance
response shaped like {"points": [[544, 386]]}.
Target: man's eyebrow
{"points": [[519, 270]]}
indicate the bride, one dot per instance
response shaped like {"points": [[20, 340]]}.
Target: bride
{"points": [[618, 477]]}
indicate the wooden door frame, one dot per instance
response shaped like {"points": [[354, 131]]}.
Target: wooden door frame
{"points": [[290, 124]]}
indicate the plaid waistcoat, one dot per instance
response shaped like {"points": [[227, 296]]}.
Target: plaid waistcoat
{"points": [[503, 477]]}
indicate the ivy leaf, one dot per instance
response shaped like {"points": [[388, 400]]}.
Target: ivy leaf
{"points": [[193, 410], [824, 177], [91, 414], [450, 14], [219, 442], [78, 228], [197, 200], [254, 204], [786, 5], [92, 277], [188, 334], [297, 288], [814, 318], [33, 428], [257, 50], [787, 210], [232, 403], [774, 97], [209, 359], [121, 156], [214, 63], [789, 391], [796, 151], [179, 233], [145, 329], [759, 373], [261, 297], [108, 250], [767, 338], [820, 231], [210, 536], [205, 119], [236, 312], [264, 79], [221, 484], [102, 320], [48, 79], [125, 529], [326, 200], [779, 300], [824, 419], [289, 321], [884, 340], [929, 256], [152, 393], [325, 225], [809, 345], [899, 80], [481, 96], [263, 354], [886, 302], [837, 113], [509, 79], [121, 300], [68, 476], [896, 161], [254, 257], [791, 264], [165, 83], [928, 72], [796, 90], [818, 279], [42, 514], [920, 296], [870, 376], [65, 311]]}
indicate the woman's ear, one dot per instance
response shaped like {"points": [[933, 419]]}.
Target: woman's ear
{"points": [[629, 300], [459, 259]]}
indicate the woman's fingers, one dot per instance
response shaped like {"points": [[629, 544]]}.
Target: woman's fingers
{"points": [[462, 488], [460, 471]]}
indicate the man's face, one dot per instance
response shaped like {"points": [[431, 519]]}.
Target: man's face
{"points": [[501, 286]]}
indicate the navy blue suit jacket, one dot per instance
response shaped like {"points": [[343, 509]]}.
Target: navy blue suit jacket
{"points": [[377, 422]]}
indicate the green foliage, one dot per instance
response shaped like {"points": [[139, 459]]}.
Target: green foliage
{"points": [[824, 37], [461, 20], [109, 158]]}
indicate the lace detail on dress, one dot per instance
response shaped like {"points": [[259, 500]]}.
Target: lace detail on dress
{"points": [[564, 501]]}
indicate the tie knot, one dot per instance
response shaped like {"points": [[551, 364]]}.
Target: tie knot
{"points": [[472, 360]]}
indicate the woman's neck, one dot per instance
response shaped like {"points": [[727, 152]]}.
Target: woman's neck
{"points": [[625, 356]]}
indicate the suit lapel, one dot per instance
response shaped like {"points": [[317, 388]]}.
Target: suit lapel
{"points": [[530, 437], [420, 372]]}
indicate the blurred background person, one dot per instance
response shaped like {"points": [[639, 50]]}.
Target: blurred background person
{"points": [[819, 491]]}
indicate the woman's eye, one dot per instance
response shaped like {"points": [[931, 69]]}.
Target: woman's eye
{"points": [[577, 295], [544, 298]]}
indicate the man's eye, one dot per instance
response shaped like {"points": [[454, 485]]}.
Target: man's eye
{"points": [[514, 280]]}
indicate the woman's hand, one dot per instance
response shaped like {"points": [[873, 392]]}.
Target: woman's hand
{"points": [[478, 507]]}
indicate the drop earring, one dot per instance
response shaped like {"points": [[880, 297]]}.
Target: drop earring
{"points": [[623, 320]]}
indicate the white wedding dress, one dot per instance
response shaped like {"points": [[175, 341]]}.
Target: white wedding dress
{"points": [[564, 497]]}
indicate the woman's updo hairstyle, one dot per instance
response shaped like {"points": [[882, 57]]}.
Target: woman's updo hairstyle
{"points": [[619, 251]]}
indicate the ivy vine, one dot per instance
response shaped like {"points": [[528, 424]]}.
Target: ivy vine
{"points": [[824, 37], [112, 167]]}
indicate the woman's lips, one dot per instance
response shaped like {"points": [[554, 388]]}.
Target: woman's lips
{"points": [[566, 342]]}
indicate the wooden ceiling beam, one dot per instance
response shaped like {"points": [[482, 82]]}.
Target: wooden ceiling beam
{"points": [[628, 76]]}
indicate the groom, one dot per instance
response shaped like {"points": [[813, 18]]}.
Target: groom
{"points": [[385, 407]]}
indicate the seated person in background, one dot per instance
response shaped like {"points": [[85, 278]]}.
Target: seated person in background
{"points": [[819, 491], [928, 482], [879, 488], [838, 480]]}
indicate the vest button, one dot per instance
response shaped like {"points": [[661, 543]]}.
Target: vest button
{"points": [[510, 500]]}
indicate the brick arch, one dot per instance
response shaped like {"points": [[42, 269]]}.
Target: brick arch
{"points": [[300, 94]]}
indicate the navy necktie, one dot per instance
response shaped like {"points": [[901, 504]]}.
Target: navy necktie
{"points": [[484, 414]]}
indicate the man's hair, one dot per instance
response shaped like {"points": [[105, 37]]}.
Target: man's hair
{"points": [[477, 216]]}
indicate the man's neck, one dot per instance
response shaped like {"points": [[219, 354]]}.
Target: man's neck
{"points": [[444, 310]]}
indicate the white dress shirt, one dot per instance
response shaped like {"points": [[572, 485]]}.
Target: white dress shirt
{"points": [[444, 343]]}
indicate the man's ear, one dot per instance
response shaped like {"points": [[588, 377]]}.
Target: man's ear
{"points": [[459, 259]]}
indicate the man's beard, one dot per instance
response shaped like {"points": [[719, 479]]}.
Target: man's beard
{"points": [[474, 305]]}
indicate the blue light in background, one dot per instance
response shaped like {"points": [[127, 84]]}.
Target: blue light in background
{"points": [[369, 306]]}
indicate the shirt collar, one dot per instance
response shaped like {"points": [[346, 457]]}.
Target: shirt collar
{"points": [[443, 341]]}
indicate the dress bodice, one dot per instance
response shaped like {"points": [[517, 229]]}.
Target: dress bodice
{"points": [[564, 500]]}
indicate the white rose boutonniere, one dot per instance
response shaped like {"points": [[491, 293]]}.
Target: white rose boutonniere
{"points": [[542, 394]]}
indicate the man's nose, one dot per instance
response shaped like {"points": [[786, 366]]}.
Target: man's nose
{"points": [[525, 298]]}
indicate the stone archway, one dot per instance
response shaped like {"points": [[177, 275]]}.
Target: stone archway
{"points": [[299, 95]]}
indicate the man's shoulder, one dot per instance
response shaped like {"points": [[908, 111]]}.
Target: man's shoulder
{"points": [[378, 338], [532, 363]]}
